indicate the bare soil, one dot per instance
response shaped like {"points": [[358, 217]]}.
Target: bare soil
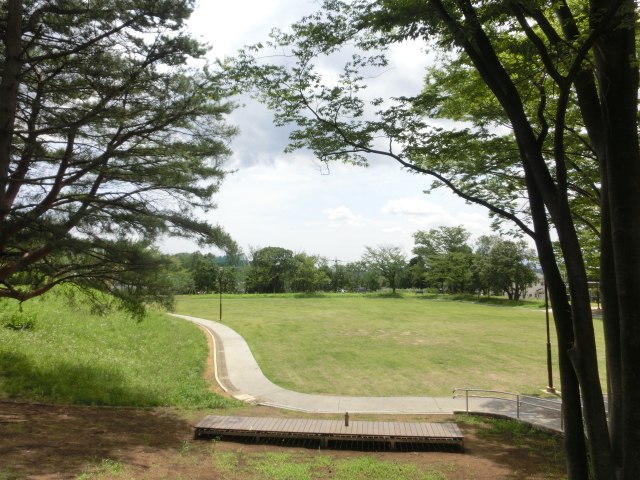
{"points": [[60, 442]]}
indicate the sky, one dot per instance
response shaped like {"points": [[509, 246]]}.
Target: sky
{"points": [[284, 200]]}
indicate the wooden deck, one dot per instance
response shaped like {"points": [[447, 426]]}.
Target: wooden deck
{"points": [[326, 430]]}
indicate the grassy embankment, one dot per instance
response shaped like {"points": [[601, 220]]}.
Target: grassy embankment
{"points": [[71, 356], [368, 345]]}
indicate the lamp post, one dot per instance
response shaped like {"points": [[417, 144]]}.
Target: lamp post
{"points": [[550, 388], [220, 290]]}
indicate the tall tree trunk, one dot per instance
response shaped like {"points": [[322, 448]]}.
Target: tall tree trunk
{"points": [[617, 70], [583, 354], [574, 443], [611, 325], [9, 87]]}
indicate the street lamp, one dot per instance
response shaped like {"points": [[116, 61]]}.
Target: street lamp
{"points": [[550, 388], [220, 290]]}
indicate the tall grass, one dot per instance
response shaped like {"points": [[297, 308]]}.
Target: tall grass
{"points": [[72, 356]]}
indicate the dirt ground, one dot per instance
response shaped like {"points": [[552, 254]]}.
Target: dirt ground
{"points": [[60, 442]]}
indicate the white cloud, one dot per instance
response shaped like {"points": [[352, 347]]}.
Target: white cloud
{"points": [[343, 217], [396, 230], [412, 206], [420, 212]]}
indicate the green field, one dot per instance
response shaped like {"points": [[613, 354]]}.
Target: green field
{"points": [[388, 346], [75, 357]]}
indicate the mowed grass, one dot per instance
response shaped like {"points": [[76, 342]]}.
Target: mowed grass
{"points": [[389, 346], [74, 357]]}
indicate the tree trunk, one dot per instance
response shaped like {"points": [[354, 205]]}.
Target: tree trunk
{"points": [[9, 87], [574, 443], [617, 70], [611, 325], [583, 354]]}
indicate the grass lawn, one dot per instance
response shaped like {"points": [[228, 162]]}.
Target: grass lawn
{"points": [[368, 346], [71, 356]]}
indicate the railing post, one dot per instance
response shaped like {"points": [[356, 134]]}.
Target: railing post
{"points": [[467, 394], [518, 406]]}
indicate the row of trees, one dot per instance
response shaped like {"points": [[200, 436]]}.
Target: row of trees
{"points": [[443, 260]]}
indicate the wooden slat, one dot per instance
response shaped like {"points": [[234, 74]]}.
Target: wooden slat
{"points": [[440, 429], [297, 427], [310, 426], [260, 423], [244, 425], [292, 425], [334, 427], [287, 424], [424, 430], [359, 429], [266, 425], [302, 428], [284, 425], [435, 431]]}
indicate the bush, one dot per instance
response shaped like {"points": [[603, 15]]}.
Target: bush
{"points": [[18, 320]]}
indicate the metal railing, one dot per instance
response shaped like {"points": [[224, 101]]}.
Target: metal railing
{"points": [[555, 405]]}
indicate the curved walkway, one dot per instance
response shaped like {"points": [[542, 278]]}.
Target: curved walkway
{"points": [[240, 375]]}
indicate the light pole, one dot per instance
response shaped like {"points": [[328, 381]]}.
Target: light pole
{"points": [[220, 290], [550, 388]]}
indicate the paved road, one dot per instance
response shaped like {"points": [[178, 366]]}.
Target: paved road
{"points": [[240, 375]]}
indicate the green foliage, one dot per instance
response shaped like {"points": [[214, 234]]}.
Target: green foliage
{"points": [[112, 141], [278, 270], [77, 357], [508, 266], [445, 258], [269, 267], [106, 467], [389, 261], [19, 320], [297, 466], [441, 240]]}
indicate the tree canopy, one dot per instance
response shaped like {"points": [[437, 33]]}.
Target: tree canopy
{"points": [[108, 141], [389, 261], [550, 90]]}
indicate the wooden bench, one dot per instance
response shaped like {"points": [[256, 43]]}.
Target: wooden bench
{"points": [[326, 430]]}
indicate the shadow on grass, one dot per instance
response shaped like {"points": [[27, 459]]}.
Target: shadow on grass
{"points": [[385, 295], [503, 302], [62, 382], [309, 295]]}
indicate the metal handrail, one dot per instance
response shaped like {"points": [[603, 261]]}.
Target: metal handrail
{"points": [[518, 400]]}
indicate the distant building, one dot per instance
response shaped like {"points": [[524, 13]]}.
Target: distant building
{"points": [[537, 290]]}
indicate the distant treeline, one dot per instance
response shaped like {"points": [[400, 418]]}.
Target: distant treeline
{"points": [[442, 260]]}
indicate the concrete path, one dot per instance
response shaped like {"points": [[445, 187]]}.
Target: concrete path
{"points": [[240, 375]]}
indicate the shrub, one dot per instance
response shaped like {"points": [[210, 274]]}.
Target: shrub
{"points": [[18, 320]]}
